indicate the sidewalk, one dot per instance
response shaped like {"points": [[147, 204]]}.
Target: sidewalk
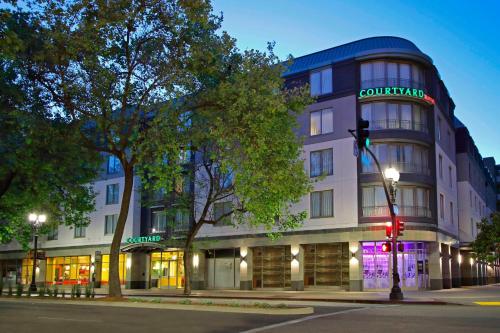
{"points": [[466, 295]]}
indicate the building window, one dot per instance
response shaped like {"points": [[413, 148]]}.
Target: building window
{"points": [[321, 82], [381, 74], [411, 201], [451, 213], [158, 221], [53, 233], [182, 220], [440, 166], [321, 162], [449, 139], [439, 129], [111, 194], [113, 165], [322, 204], [450, 176], [405, 157], [391, 115], [224, 179], [220, 209], [322, 122], [110, 224], [80, 231], [441, 206]]}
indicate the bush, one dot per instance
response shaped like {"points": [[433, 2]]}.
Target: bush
{"points": [[73, 291], [234, 304], [19, 290], [88, 291], [78, 291], [49, 292], [185, 301], [56, 291], [41, 291], [63, 294]]}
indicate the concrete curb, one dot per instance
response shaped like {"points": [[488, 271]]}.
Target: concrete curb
{"points": [[168, 306], [299, 299]]}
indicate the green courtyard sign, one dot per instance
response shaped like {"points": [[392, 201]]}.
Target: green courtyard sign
{"points": [[144, 239], [395, 91]]}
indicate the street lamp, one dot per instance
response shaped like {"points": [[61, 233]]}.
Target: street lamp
{"points": [[36, 221], [391, 176]]}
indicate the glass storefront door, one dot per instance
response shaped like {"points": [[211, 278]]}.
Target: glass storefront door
{"points": [[167, 269]]}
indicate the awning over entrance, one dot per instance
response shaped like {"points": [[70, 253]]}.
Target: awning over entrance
{"points": [[146, 247]]}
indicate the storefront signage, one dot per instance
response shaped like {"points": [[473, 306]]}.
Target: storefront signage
{"points": [[144, 239], [396, 91]]}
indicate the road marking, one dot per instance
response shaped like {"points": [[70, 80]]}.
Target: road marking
{"points": [[71, 319], [299, 320], [488, 303]]}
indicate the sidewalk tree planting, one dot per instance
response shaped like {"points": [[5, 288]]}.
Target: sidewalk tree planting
{"points": [[43, 168], [487, 243], [244, 166], [110, 66]]}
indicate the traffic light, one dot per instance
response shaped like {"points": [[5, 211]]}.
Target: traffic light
{"points": [[388, 229], [363, 134], [400, 227], [386, 247]]}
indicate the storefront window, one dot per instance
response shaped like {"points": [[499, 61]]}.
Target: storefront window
{"points": [[167, 269], [377, 266], [68, 270], [271, 267], [326, 264], [27, 270], [105, 269]]}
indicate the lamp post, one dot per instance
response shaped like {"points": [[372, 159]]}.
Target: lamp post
{"points": [[391, 176], [36, 221]]}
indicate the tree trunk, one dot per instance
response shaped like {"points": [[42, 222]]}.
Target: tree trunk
{"points": [[114, 277], [188, 255]]}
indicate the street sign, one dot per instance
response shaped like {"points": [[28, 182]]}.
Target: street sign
{"points": [[396, 209]]}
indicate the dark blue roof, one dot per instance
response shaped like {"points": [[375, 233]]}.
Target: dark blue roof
{"points": [[362, 47]]}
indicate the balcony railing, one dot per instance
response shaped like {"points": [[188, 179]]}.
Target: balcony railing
{"points": [[417, 211], [398, 124], [400, 166], [392, 82]]}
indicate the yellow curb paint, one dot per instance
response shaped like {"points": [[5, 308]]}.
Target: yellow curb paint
{"points": [[488, 303]]}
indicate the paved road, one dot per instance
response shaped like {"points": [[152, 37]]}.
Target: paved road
{"points": [[22, 317]]}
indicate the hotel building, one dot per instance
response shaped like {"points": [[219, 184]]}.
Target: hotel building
{"points": [[385, 80]]}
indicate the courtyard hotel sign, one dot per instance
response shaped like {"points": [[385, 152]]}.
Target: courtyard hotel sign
{"points": [[144, 239], [396, 91]]}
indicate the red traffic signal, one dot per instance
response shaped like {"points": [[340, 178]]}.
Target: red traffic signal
{"points": [[388, 229], [386, 247], [400, 227]]}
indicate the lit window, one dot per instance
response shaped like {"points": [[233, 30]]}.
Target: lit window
{"points": [[321, 82], [114, 165], [322, 122], [159, 221], [321, 162]]}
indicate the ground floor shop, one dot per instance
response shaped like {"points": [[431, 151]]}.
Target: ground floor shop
{"points": [[297, 262]]}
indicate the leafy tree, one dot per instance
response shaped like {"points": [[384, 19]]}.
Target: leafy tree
{"points": [[245, 164], [111, 66], [41, 169], [487, 243]]}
